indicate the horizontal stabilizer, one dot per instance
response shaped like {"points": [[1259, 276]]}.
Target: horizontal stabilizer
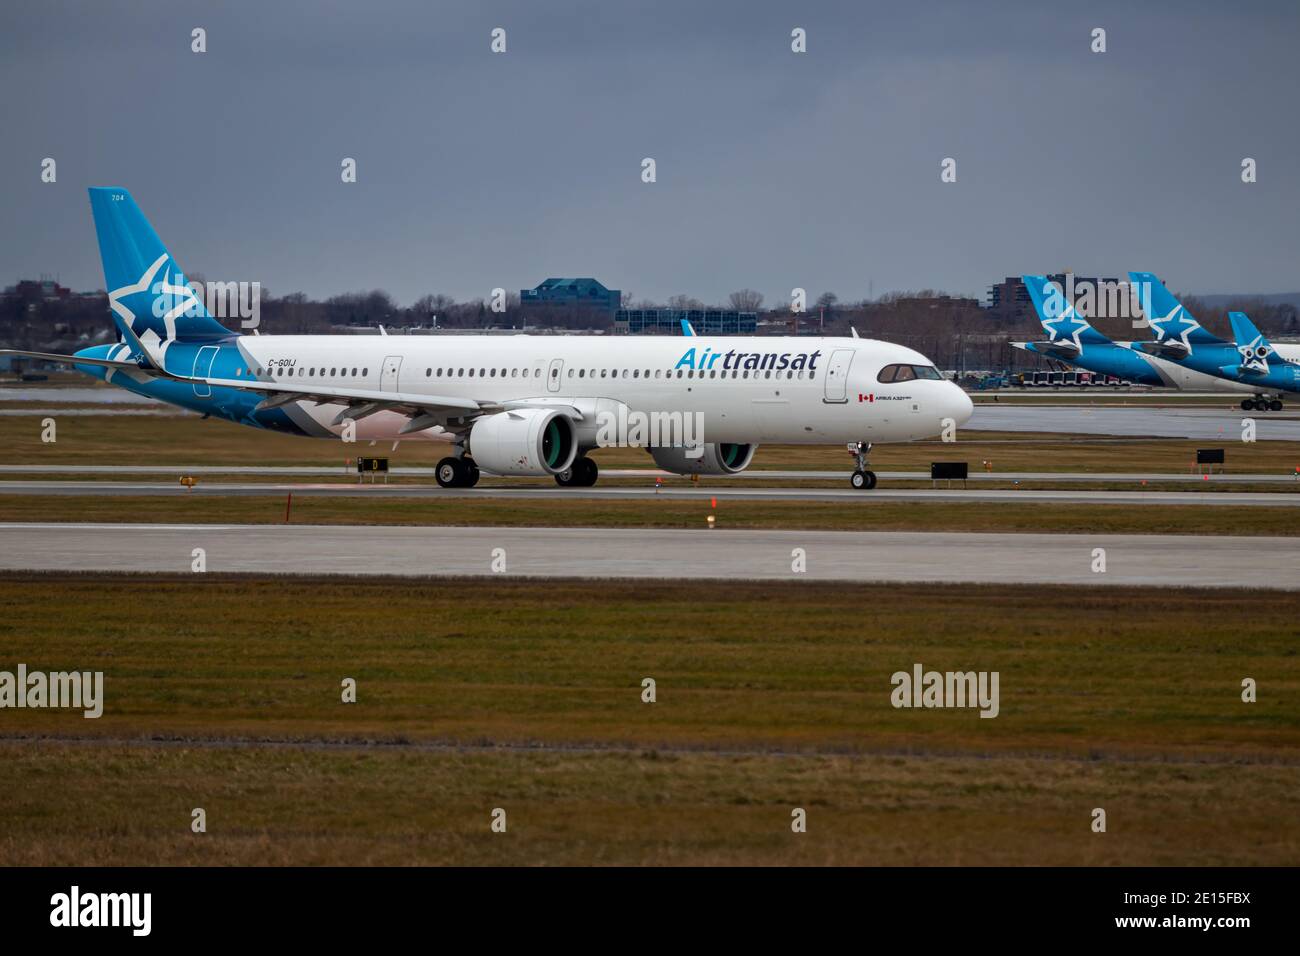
{"points": [[1169, 349], [72, 359], [1062, 347]]}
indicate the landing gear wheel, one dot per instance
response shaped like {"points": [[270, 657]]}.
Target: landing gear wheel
{"points": [[863, 480], [456, 473], [581, 474], [1275, 405], [1247, 404]]}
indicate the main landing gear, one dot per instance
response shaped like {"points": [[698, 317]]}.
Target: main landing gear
{"points": [[862, 478], [457, 473], [1261, 404], [581, 474]]}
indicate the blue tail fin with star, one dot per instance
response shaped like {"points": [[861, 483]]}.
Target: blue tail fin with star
{"points": [[147, 292]]}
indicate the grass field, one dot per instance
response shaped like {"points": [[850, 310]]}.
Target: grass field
{"points": [[224, 693]]}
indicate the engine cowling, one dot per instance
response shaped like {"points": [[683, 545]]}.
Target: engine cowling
{"points": [[719, 458], [532, 441]]}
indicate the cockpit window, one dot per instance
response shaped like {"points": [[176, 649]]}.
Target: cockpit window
{"points": [[907, 373]]}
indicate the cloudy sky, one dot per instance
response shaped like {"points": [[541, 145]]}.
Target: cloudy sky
{"points": [[775, 169]]}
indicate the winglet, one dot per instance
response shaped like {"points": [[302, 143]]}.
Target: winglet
{"points": [[687, 328]]}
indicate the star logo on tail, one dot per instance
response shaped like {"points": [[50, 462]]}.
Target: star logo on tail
{"points": [[1167, 326], [150, 310], [1254, 356]]}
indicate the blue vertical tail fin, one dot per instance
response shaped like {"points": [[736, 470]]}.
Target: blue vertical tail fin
{"points": [[147, 291], [1254, 349], [1060, 320], [1168, 319]]}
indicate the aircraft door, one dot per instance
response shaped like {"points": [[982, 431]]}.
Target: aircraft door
{"points": [[388, 381], [837, 375]]}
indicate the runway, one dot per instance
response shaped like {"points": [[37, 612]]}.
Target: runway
{"points": [[1013, 496], [327, 471], [938, 557]]}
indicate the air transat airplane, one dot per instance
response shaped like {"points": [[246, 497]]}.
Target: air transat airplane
{"points": [[516, 405], [1072, 339], [1250, 360]]}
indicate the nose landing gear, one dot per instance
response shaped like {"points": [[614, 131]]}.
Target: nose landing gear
{"points": [[862, 478]]}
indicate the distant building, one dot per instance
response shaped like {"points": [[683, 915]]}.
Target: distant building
{"points": [[669, 321], [571, 293], [34, 289], [1009, 299]]}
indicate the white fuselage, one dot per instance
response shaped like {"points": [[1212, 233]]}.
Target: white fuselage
{"points": [[744, 389]]}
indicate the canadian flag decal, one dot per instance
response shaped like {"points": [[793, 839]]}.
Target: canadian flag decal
{"points": [[871, 397]]}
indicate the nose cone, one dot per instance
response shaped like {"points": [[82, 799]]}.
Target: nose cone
{"points": [[960, 407]]}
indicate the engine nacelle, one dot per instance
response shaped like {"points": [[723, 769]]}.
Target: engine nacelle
{"points": [[720, 458], [527, 441]]}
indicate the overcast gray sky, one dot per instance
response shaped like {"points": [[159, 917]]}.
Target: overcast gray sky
{"points": [[775, 169]]}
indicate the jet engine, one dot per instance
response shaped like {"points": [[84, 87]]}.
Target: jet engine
{"points": [[531, 441], [718, 459]]}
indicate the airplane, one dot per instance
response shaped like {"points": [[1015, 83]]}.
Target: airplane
{"points": [[518, 405], [1073, 340], [1266, 370]]}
